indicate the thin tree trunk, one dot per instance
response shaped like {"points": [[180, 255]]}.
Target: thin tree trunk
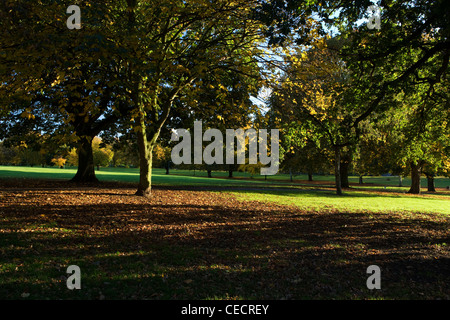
{"points": [[310, 176], [415, 179], [400, 181], [145, 156], [230, 171], [86, 169], [145, 145], [145, 164], [337, 170], [167, 166], [361, 179]]}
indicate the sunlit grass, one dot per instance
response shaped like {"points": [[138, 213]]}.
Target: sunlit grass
{"points": [[353, 201], [390, 197], [179, 177]]}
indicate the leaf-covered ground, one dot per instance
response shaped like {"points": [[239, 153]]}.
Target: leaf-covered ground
{"points": [[194, 244]]}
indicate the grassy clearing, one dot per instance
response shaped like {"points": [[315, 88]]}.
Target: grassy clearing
{"points": [[199, 178], [354, 201], [128, 175]]}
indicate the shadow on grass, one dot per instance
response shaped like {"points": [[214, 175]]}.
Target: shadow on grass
{"points": [[185, 244]]}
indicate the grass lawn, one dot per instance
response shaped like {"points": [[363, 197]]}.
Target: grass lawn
{"points": [[177, 177], [253, 239], [319, 195], [354, 200], [190, 177]]}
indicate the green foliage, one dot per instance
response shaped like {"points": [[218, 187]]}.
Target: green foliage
{"points": [[136, 67]]}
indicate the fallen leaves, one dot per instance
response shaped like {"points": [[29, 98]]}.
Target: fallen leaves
{"points": [[197, 244]]}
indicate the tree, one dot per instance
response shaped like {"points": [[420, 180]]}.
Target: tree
{"points": [[52, 70], [377, 151], [72, 158], [222, 101], [7, 154], [176, 44], [102, 153], [59, 162], [411, 138], [411, 49], [316, 92], [310, 159], [426, 135], [420, 26], [161, 157]]}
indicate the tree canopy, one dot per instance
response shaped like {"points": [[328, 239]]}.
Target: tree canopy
{"points": [[137, 69]]}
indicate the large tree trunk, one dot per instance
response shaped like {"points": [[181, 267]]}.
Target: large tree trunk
{"points": [[415, 178], [344, 174], [310, 176], [430, 183], [230, 171], [337, 170], [86, 169]]}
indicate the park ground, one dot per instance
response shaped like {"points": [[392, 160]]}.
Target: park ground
{"points": [[218, 238]]}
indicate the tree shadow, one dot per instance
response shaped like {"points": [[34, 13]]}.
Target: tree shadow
{"points": [[195, 245]]}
